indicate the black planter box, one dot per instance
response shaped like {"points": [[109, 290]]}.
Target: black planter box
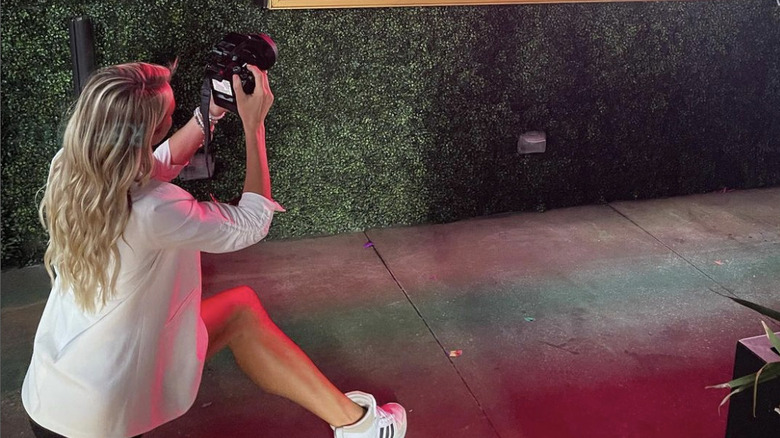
{"points": [[752, 354]]}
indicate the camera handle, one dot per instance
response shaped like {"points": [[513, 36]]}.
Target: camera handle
{"points": [[205, 101]]}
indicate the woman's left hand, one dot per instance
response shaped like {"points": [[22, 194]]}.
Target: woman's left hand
{"points": [[215, 110]]}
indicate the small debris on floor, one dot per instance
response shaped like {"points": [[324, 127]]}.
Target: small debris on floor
{"points": [[718, 262], [368, 244], [456, 353], [529, 319], [205, 405]]}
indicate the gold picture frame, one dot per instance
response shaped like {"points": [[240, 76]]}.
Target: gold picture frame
{"points": [[328, 4]]}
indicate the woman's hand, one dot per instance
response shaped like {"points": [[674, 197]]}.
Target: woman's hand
{"points": [[253, 108], [215, 110]]}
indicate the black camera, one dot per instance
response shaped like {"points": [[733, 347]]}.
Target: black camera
{"points": [[230, 57]]}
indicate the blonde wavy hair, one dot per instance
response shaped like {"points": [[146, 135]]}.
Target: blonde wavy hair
{"points": [[106, 148]]}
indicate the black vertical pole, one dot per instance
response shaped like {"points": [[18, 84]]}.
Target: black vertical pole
{"points": [[82, 50]]}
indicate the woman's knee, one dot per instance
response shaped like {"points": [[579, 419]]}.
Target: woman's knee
{"points": [[247, 306], [231, 315], [240, 297]]}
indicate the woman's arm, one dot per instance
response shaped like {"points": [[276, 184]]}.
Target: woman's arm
{"points": [[257, 178], [186, 141], [253, 109]]}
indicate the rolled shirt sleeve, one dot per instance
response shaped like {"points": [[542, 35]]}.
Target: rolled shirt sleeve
{"points": [[181, 221], [163, 169]]}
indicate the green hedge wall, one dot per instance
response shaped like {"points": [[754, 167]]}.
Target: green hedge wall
{"points": [[411, 115]]}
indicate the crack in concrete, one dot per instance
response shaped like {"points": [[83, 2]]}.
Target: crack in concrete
{"points": [[561, 347], [433, 334]]}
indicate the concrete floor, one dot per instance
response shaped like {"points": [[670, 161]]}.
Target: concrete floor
{"points": [[596, 321]]}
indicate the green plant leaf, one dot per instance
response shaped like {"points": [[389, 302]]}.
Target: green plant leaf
{"points": [[726, 398], [755, 389], [772, 371], [767, 372], [774, 314], [772, 336], [736, 383]]}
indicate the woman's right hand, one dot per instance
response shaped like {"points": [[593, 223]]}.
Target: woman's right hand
{"points": [[253, 108]]}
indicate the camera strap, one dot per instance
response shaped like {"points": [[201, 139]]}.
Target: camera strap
{"points": [[205, 101]]}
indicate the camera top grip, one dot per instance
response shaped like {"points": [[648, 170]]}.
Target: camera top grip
{"points": [[230, 56]]}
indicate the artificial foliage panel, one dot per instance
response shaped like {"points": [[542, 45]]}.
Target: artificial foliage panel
{"points": [[403, 116], [320, 4]]}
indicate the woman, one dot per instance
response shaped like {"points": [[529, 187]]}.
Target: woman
{"points": [[123, 337]]}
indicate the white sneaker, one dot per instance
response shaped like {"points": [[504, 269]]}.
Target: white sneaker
{"points": [[387, 421]]}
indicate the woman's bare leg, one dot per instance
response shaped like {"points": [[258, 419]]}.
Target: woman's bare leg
{"points": [[236, 319]]}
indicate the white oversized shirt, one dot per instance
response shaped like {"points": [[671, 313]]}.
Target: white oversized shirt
{"points": [[137, 362]]}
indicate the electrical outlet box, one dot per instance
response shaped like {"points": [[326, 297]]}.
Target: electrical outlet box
{"points": [[532, 142]]}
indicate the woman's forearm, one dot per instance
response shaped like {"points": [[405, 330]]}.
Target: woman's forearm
{"points": [[258, 178], [185, 142]]}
